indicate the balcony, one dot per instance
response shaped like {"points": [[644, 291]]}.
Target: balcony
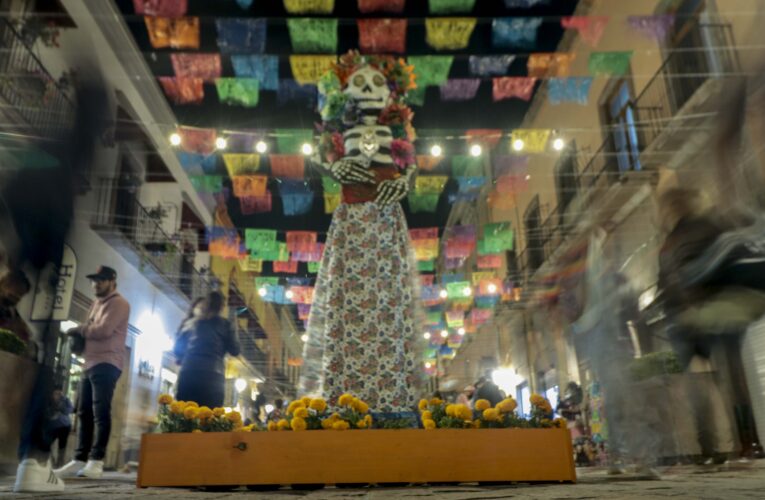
{"points": [[33, 104], [675, 115], [136, 233]]}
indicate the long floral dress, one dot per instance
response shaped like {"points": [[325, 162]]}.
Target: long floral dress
{"points": [[364, 322]]}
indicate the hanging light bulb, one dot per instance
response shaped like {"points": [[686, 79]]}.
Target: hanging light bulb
{"points": [[426, 335], [304, 337], [262, 291], [221, 143], [492, 288], [444, 334], [476, 150], [559, 144], [467, 291], [428, 365], [436, 150], [443, 294], [175, 139], [307, 149], [289, 294], [461, 331], [518, 145], [261, 147]]}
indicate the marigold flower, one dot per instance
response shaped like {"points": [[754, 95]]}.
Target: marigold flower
{"points": [[283, 425], [246, 428], [423, 404], [491, 414], [361, 424], [204, 413], [537, 400], [450, 410], [165, 399], [362, 407], [427, 415], [272, 426], [341, 425], [190, 413], [234, 416], [318, 404], [463, 412], [507, 405], [301, 413], [219, 412], [368, 420], [294, 406], [482, 404], [196, 431], [476, 424], [345, 400], [326, 424], [306, 401], [177, 407], [561, 423], [429, 424], [298, 424], [192, 404], [435, 401]]}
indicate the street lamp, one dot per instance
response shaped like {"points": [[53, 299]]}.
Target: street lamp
{"points": [[240, 385]]}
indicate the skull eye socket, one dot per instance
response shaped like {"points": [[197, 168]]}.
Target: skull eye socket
{"points": [[359, 80], [378, 80]]}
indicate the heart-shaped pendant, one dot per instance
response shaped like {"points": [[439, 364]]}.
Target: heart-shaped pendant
{"points": [[369, 144]]}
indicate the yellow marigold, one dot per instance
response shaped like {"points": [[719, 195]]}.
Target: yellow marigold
{"points": [[204, 413], [196, 431], [537, 400], [491, 414], [306, 401], [368, 420], [272, 426], [190, 413], [219, 412], [177, 407], [192, 404], [435, 401], [482, 404], [301, 413], [341, 425], [507, 405], [318, 404], [283, 425], [423, 404], [361, 424], [427, 415], [245, 428], [294, 406], [463, 412], [345, 400], [450, 410], [298, 424], [546, 422], [361, 407], [165, 399], [234, 416], [476, 424], [429, 424], [561, 423], [327, 423]]}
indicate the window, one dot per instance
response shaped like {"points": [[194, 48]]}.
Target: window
{"points": [[686, 41], [534, 241], [566, 180], [620, 115]]}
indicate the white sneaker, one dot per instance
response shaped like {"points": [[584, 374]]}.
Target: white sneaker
{"points": [[71, 469], [31, 477], [93, 469]]}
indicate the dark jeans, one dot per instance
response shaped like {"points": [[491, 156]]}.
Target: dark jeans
{"points": [[35, 442], [207, 388], [95, 407], [60, 434]]}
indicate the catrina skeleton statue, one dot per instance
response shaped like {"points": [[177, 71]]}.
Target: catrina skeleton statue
{"points": [[362, 329]]}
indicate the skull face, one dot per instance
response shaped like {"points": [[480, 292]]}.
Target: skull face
{"points": [[369, 88]]}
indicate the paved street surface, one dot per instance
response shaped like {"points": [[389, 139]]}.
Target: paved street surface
{"points": [[737, 480]]}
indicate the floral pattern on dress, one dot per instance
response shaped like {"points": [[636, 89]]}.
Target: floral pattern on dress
{"points": [[364, 321]]}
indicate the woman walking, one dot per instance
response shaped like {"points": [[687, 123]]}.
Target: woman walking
{"points": [[201, 348]]}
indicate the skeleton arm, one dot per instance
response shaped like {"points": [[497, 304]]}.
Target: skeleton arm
{"points": [[393, 191], [345, 171]]}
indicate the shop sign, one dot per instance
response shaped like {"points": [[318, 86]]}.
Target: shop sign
{"points": [[54, 289]]}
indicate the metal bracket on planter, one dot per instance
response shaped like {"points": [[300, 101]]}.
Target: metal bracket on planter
{"points": [[241, 446]]}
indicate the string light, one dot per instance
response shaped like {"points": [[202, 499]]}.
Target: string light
{"points": [[426, 335], [443, 294], [444, 334], [492, 288], [261, 147], [221, 143], [476, 150], [175, 139], [289, 294], [436, 150], [467, 291], [262, 291], [304, 337], [518, 145], [559, 144], [307, 149], [428, 365], [461, 331]]}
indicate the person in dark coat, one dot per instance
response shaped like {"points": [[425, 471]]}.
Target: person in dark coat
{"points": [[201, 349], [488, 390]]}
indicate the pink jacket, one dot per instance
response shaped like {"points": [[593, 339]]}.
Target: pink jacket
{"points": [[106, 331]]}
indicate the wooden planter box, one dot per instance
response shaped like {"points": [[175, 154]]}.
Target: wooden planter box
{"points": [[371, 456]]}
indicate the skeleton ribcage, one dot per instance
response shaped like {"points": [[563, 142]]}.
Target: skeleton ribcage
{"points": [[370, 145]]}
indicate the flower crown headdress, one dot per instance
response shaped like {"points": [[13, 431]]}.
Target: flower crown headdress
{"points": [[400, 76]]}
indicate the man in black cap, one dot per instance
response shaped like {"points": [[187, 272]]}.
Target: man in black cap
{"points": [[105, 352]]}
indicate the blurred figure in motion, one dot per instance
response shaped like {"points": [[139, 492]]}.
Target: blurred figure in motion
{"points": [[202, 349], [13, 286], [466, 395], [181, 340], [706, 316], [60, 422], [485, 388], [36, 209], [277, 413]]}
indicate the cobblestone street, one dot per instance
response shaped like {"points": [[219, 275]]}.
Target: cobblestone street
{"points": [[737, 480]]}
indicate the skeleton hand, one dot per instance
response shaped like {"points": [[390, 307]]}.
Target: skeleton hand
{"points": [[392, 191], [351, 172]]}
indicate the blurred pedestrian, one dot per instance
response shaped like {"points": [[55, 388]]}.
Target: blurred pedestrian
{"points": [[13, 286], [466, 395], [181, 341], [486, 389], [60, 423], [202, 348], [105, 333], [277, 413]]}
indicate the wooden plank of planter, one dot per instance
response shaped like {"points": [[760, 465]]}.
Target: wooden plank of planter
{"points": [[371, 456]]}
